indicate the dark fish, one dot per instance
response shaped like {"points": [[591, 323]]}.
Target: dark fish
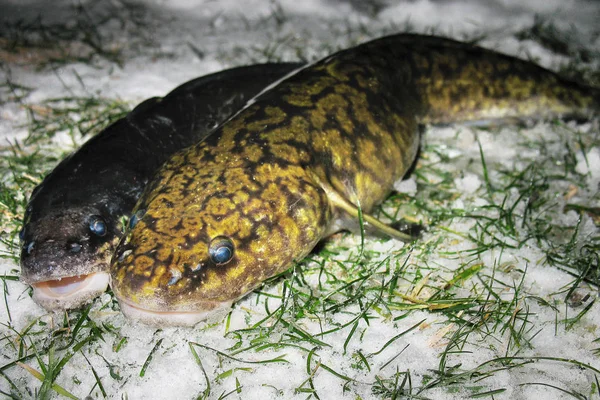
{"points": [[74, 217]]}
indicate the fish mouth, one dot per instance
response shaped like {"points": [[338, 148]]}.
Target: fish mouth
{"points": [[161, 318], [69, 292]]}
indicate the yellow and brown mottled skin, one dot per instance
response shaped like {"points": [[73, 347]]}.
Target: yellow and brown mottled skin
{"points": [[344, 127]]}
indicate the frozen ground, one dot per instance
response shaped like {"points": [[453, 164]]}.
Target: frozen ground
{"points": [[491, 303]]}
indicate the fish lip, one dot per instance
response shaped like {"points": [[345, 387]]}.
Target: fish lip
{"points": [[58, 268], [51, 294], [161, 318]]}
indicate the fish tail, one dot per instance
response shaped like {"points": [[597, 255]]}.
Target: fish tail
{"points": [[445, 81], [459, 82]]}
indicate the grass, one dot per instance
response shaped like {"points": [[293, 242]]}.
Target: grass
{"points": [[92, 35], [566, 42], [456, 312]]}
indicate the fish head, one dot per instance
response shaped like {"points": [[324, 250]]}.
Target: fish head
{"points": [[65, 255], [205, 234]]}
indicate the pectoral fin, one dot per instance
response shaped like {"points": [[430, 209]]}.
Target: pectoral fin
{"points": [[352, 210]]}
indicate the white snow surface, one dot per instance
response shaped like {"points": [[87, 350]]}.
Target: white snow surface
{"points": [[233, 32]]}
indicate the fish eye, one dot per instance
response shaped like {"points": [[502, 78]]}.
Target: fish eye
{"points": [[98, 226], [221, 250], [135, 218]]}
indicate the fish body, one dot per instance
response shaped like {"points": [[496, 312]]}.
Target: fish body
{"points": [[73, 220], [300, 161]]}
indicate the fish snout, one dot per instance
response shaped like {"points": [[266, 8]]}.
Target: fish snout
{"points": [[39, 251], [74, 247], [28, 248]]}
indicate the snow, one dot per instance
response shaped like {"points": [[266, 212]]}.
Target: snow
{"points": [[589, 164], [233, 33]]}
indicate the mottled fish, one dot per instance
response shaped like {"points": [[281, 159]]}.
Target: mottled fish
{"points": [[296, 164], [73, 220]]}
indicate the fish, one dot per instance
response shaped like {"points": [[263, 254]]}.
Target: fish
{"points": [[73, 220], [309, 156]]}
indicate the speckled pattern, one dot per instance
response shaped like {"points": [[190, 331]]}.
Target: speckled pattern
{"points": [[346, 125]]}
